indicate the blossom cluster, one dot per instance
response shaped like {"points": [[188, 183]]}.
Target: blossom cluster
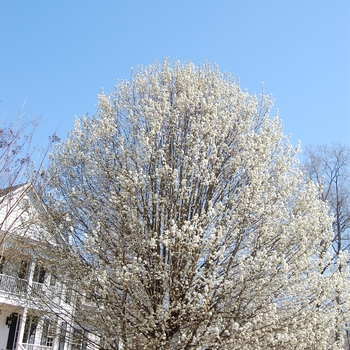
{"points": [[193, 226]]}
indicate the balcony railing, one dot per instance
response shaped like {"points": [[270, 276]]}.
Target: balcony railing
{"points": [[22, 346], [37, 288], [21, 287], [13, 285]]}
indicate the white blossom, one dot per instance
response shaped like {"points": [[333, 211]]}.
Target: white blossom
{"points": [[197, 220]]}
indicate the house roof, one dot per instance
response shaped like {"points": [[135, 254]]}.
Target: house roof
{"points": [[7, 190]]}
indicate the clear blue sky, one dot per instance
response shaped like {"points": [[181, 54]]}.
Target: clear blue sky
{"points": [[58, 55]]}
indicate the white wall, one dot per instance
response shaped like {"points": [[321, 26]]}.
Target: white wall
{"points": [[4, 330]]}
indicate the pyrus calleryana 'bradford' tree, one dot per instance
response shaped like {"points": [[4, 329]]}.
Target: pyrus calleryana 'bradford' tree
{"points": [[185, 219]]}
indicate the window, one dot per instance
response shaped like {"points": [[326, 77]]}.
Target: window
{"points": [[39, 273], [53, 280], [30, 329], [80, 338], [2, 264], [69, 292], [23, 269], [62, 338], [48, 332]]}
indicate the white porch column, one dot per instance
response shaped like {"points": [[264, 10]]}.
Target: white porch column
{"points": [[31, 274], [25, 309], [21, 327]]}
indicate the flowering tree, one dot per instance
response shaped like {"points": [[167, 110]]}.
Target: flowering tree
{"points": [[185, 222]]}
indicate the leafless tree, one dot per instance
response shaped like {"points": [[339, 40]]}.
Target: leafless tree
{"points": [[21, 171], [329, 166]]}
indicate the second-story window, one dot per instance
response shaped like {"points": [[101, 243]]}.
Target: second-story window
{"points": [[39, 273], [2, 264], [23, 270], [53, 279]]}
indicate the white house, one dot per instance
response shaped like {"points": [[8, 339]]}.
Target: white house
{"points": [[27, 321]]}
